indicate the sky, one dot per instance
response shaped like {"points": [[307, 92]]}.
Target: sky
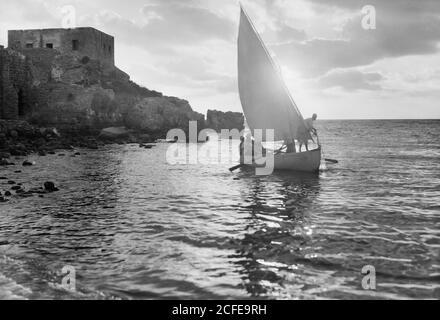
{"points": [[331, 63]]}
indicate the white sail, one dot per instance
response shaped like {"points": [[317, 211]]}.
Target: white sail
{"points": [[265, 99]]}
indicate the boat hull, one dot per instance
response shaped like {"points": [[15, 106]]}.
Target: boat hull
{"points": [[309, 161]]}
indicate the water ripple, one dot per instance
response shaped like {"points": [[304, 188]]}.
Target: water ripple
{"points": [[135, 227]]}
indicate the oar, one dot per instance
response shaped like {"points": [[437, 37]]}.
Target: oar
{"points": [[332, 161], [327, 160], [236, 167], [241, 165]]}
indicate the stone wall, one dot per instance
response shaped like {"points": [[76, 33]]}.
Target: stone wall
{"points": [[16, 92], [79, 41]]}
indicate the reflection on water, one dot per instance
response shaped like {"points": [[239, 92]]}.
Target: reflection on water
{"points": [[135, 227], [277, 228]]}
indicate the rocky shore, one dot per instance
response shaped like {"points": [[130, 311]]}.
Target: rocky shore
{"points": [[18, 190], [19, 138]]}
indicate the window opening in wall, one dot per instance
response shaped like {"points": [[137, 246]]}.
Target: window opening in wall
{"points": [[75, 45], [29, 45], [49, 45]]}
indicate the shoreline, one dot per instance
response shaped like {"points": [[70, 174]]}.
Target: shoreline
{"points": [[19, 139]]}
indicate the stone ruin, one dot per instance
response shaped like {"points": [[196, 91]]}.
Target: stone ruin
{"points": [[19, 78]]}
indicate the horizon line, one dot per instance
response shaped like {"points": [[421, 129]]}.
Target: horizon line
{"points": [[363, 119]]}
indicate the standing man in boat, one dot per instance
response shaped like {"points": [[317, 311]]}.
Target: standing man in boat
{"points": [[309, 128]]}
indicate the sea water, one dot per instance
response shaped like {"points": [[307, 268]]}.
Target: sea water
{"points": [[133, 226]]}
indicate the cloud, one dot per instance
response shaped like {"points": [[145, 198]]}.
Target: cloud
{"points": [[28, 14], [351, 80], [187, 48], [169, 24], [187, 42], [402, 29], [283, 34]]}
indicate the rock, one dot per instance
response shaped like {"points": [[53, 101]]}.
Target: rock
{"points": [[5, 155], [39, 142], [18, 151], [13, 134], [27, 163], [50, 187], [92, 147], [15, 152], [3, 140], [15, 188], [2, 200], [77, 154], [145, 138], [160, 114], [37, 190], [4, 162], [50, 132], [19, 191], [218, 120], [61, 155], [50, 152], [26, 194], [114, 133], [3, 178], [11, 182], [18, 171], [146, 146], [132, 139], [42, 153], [8, 194]]}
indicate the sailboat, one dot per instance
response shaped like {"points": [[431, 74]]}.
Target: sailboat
{"points": [[266, 101]]}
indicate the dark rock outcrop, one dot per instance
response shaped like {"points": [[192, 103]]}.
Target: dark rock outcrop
{"points": [[4, 162], [50, 186], [218, 120], [159, 115]]}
